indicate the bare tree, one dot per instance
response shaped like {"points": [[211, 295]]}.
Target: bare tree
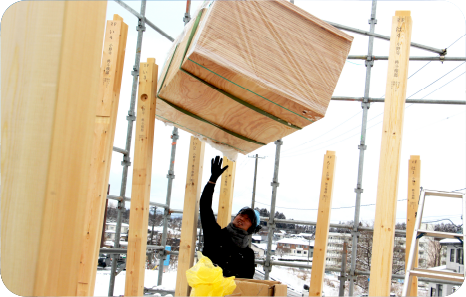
{"points": [[434, 253]]}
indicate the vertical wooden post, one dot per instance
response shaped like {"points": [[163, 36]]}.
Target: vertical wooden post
{"points": [[142, 172], [50, 75], [190, 214], [387, 187], [414, 183], [226, 193], [323, 224], [104, 131]]}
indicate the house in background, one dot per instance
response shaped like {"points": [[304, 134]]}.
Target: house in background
{"points": [[256, 239], [454, 263], [296, 247]]}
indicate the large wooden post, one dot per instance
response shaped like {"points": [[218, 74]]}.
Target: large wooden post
{"points": [[104, 132], [51, 54], [227, 186], [323, 224], [142, 172], [414, 183], [190, 214], [387, 187]]}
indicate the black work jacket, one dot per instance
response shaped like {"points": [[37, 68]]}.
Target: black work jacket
{"points": [[218, 245]]}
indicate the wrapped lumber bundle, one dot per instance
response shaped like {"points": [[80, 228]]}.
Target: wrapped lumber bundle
{"points": [[246, 73]]}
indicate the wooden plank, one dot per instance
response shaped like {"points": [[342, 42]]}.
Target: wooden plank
{"points": [[323, 224], [190, 214], [414, 188], [50, 74], [281, 290], [387, 187], [142, 172], [242, 48], [227, 186], [104, 130]]}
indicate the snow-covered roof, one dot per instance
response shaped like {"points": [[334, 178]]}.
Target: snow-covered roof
{"points": [[450, 240], [306, 234], [441, 268], [300, 241], [114, 224], [263, 246], [256, 237]]}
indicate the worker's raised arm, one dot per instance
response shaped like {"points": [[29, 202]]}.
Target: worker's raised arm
{"points": [[207, 215]]}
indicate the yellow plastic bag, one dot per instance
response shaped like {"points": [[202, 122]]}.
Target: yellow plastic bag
{"points": [[207, 279]]}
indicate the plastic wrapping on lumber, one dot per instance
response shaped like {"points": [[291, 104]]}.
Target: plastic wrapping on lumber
{"points": [[247, 73]]}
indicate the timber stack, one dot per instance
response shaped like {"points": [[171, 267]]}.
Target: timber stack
{"points": [[247, 73]]}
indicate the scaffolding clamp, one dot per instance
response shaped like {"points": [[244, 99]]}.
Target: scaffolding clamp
{"points": [[141, 26], [170, 174], [369, 61], [186, 18], [362, 147], [358, 190], [135, 71], [275, 184], [126, 161], [131, 116], [366, 103]]}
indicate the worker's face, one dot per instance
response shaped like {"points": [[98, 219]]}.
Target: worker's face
{"points": [[242, 221]]}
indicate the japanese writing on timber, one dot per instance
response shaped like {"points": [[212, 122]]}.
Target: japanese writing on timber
{"points": [[328, 166], [400, 28], [112, 31], [413, 182], [193, 162]]}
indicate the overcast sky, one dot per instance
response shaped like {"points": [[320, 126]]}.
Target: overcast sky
{"points": [[435, 132]]}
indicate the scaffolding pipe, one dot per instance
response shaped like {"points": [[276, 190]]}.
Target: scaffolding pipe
{"points": [[371, 34], [141, 16], [362, 147], [126, 160], [441, 58], [166, 212], [271, 222], [424, 101], [120, 150]]}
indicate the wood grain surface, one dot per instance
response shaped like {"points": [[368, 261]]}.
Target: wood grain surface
{"points": [[270, 54]]}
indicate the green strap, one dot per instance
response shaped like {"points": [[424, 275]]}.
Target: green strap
{"points": [[258, 110], [206, 121]]}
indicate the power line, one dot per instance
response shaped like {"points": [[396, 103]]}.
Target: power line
{"points": [[343, 207]]}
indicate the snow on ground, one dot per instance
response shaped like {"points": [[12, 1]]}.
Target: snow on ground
{"points": [[150, 280], [295, 278]]}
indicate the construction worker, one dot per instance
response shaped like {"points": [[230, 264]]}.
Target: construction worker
{"points": [[228, 247]]}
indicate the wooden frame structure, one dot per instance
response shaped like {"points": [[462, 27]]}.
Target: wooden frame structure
{"points": [[50, 75], [414, 188], [323, 224], [190, 214], [225, 203], [142, 173], [387, 187], [111, 71]]}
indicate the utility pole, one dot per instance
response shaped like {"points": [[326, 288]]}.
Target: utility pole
{"points": [[255, 176], [254, 188]]}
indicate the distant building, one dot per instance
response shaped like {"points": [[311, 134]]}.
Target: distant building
{"points": [[296, 247], [454, 263]]}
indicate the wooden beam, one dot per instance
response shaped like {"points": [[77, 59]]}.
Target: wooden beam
{"points": [[414, 184], [142, 172], [226, 193], [190, 214], [50, 74], [104, 131], [387, 187], [323, 224]]}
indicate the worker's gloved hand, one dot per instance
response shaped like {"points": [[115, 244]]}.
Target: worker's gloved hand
{"points": [[217, 169]]}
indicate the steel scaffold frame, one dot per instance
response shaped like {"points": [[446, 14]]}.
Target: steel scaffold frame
{"points": [[267, 263]]}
